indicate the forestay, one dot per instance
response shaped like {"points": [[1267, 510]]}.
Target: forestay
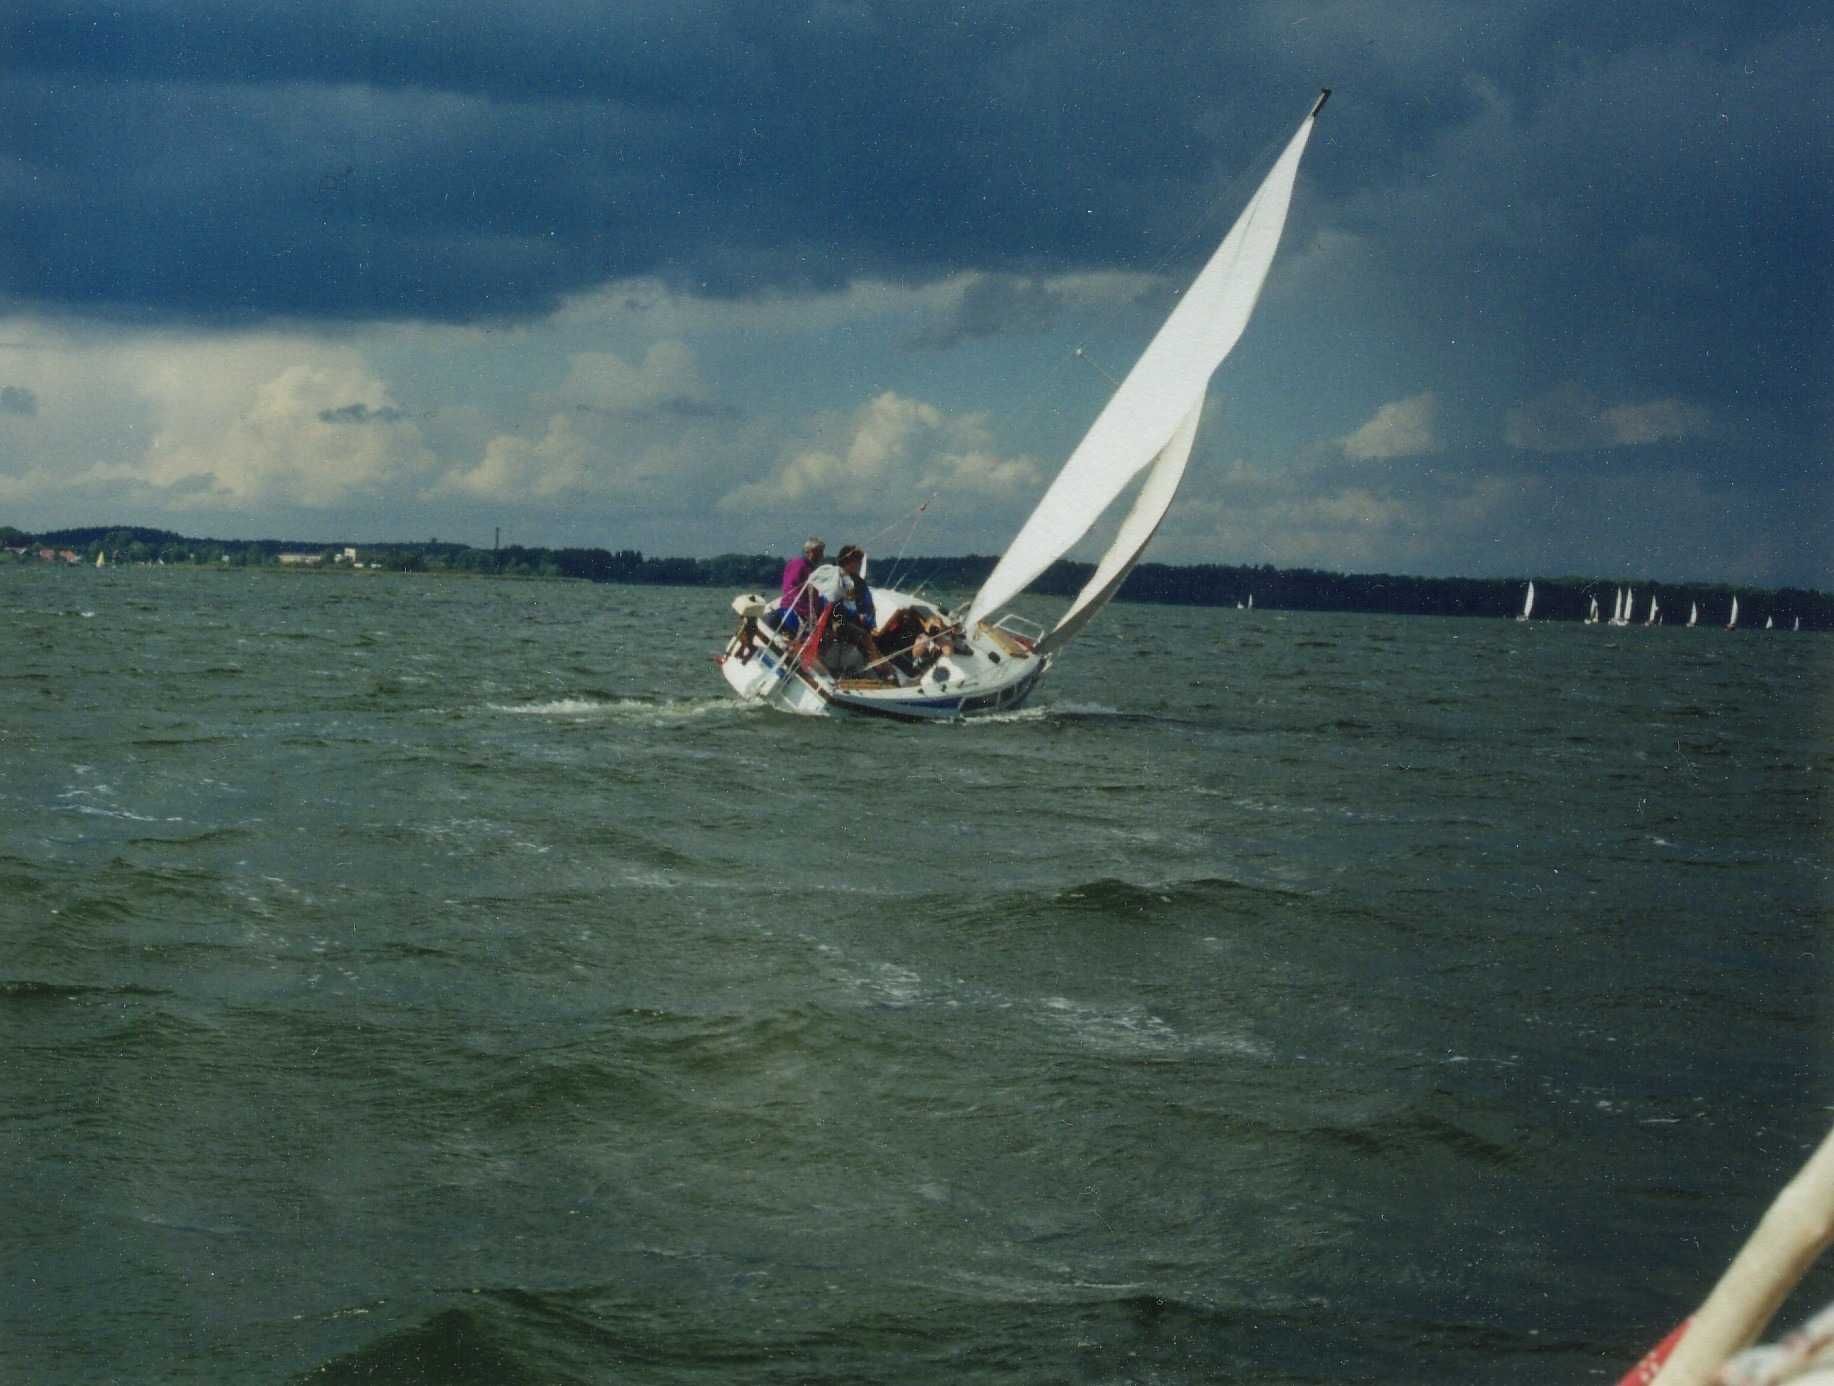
{"points": [[1165, 387]]}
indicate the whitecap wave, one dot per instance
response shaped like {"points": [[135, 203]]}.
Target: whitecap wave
{"points": [[624, 709]]}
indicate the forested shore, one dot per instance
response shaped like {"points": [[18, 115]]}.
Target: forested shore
{"points": [[1557, 597]]}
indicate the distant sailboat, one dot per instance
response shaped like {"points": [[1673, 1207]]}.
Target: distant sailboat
{"points": [[1592, 612], [1620, 609], [1693, 614], [1769, 623], [1797, 626], [1528, 603], [1732, 620], [1651, 619], [101, 560]]}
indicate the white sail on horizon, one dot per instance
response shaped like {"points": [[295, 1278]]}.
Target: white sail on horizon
{"points": [[1166, 386]]}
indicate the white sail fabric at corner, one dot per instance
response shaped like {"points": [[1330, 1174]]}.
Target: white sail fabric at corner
{"points": [[1165, 385], [1136, 532]]}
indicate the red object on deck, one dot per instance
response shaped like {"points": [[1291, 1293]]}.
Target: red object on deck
{"points": [[812, 645]]}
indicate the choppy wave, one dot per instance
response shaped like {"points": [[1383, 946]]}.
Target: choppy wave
{"points": [[1229, 1020]]}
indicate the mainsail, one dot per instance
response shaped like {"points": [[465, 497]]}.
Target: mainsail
{"points": [[1140, 422]]}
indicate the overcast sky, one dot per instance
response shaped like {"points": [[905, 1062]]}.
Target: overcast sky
{"points": [[703, 277]]}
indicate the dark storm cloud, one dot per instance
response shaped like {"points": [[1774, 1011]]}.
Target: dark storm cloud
{"points": [[214, 161], [993, 305], [361, 414]]}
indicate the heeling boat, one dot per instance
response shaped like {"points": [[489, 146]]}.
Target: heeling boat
{"points": [[1147, 427], [1528, 602]]}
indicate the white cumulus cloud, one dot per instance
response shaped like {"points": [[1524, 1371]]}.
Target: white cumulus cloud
{"points": [[667, 377], [1402, 428], [1571, 418], [228, 422], [891, 446]]}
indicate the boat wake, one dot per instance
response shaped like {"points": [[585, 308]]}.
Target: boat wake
{"points": [[633, 710], [1053, 713]]}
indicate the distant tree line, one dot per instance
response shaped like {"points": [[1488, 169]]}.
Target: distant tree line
{"points": [[1203, 584]]}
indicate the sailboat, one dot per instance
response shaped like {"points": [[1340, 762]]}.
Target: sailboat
{"points": [[1620, 609], [993, 658], [1528, 602], [1592, 611], [1693, 614], [1651, 619], [1732, 620]]}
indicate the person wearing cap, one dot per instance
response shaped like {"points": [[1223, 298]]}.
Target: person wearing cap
{"points": [[853, 620], [854, 595], [798, 603]]}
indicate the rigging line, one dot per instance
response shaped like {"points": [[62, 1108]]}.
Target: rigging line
{"points": [[910, 534], [1082, 354], [892, 524]]}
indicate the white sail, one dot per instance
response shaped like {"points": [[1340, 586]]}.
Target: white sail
{"points": [[1165, 386], [1136, 532], [1693, 612], [1732, 620], [1592, 612], [1528, 602]]}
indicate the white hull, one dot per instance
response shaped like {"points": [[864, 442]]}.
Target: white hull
{"points": [[996, 674]]}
